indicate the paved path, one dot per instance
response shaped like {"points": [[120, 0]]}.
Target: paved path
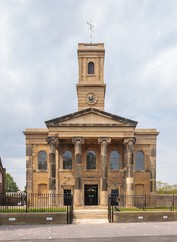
{"points": [[125, 232]]}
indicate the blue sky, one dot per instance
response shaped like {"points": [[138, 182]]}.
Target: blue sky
{"points": [[39, 69]]}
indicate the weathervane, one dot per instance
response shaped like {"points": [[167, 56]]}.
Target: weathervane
{"points": [[91, 29]]}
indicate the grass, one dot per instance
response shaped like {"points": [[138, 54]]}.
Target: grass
{"points": [[46, 210], [157, 209], [32, 210]]}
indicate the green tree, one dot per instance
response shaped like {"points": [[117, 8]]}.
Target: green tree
{"points": [[165, 188], [10, 184]]}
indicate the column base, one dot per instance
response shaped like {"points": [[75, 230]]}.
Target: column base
{"points": [[77, 198], [129, 192], [103, 198]]}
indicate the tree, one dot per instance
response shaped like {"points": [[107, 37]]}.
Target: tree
{"points": [[10, 184], [165, 188]]}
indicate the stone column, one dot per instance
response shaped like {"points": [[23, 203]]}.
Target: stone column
{"points": [[29, 169], [129, 149], [78, 141], [53, 142], [104, 171]]}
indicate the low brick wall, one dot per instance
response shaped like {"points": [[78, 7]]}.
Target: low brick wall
{"points": [[32, 218], [61, 218], [127, 217]]}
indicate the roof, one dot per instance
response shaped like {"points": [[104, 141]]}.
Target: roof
{"points": [[108, 118]]}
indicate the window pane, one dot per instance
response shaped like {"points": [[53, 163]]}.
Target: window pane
{"points": [[114, 160], [67, 160], [42, 160], [91, 160], [139, 165], [90, 68]]}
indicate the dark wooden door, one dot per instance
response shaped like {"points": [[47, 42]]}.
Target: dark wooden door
{"points": [[91, 195]]}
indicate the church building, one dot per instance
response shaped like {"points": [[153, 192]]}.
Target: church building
{"points": [[91, 153]]}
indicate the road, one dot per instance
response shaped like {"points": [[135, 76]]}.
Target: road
{"points": [[122, 232]]}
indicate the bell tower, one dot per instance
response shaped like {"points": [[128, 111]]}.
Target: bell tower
{"points": [[91, 88]]}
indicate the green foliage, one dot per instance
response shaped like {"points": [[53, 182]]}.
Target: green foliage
{"points": [[33, 210], [10, 184], [165, 188], [19, 209]]}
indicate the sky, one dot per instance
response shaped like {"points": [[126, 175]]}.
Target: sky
{"points": [[39, 69]]}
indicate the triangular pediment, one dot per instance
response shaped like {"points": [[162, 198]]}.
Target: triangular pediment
{"points": [[91, 117]]}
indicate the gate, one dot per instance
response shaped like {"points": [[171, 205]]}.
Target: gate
{"points": [[111, 208], [68, 198]]}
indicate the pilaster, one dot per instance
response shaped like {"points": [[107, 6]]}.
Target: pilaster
{"points": [[153, 169], [29, 169], [53, 143]]}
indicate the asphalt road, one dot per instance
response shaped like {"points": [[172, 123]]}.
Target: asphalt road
{"points": [[115, 239], [122, 232]]}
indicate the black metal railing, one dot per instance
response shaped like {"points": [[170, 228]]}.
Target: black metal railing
{"points": [[35, 202], [140, 203], [110, 209]]}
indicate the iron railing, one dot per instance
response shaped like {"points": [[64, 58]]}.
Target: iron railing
{"points": [[33, 202], [140, 203]]}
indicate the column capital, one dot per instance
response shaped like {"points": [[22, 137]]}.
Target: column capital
{"points": [[78, 139], [106, 139], [129, 139], [53, 140]]}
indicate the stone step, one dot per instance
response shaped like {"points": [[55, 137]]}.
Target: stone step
{"points": [[92, 208], [90, 214], [90, 221]]}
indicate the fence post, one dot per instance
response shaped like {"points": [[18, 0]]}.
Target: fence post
{"points": [[145, 201], [71, 209], [173, 204], [109, 209], [112, 212], [65, 196], [26, 199]]}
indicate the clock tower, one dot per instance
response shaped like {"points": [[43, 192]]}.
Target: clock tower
{"points": [[91, 88]]}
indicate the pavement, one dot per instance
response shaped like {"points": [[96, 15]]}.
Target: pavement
{"points": [[122, 232]]}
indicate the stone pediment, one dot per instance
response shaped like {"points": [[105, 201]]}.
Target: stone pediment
{"points": [[90, 117]]}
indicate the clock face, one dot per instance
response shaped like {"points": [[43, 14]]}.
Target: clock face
{"points": [[91, 98]]}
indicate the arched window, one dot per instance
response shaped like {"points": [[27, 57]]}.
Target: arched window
{"points": [[42, 160], [91, 160], [67, 160], [114, 160], [139, 162], [90, 68]]}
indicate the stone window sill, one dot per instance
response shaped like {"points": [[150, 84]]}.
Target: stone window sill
{"points": [[41, 171]]}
